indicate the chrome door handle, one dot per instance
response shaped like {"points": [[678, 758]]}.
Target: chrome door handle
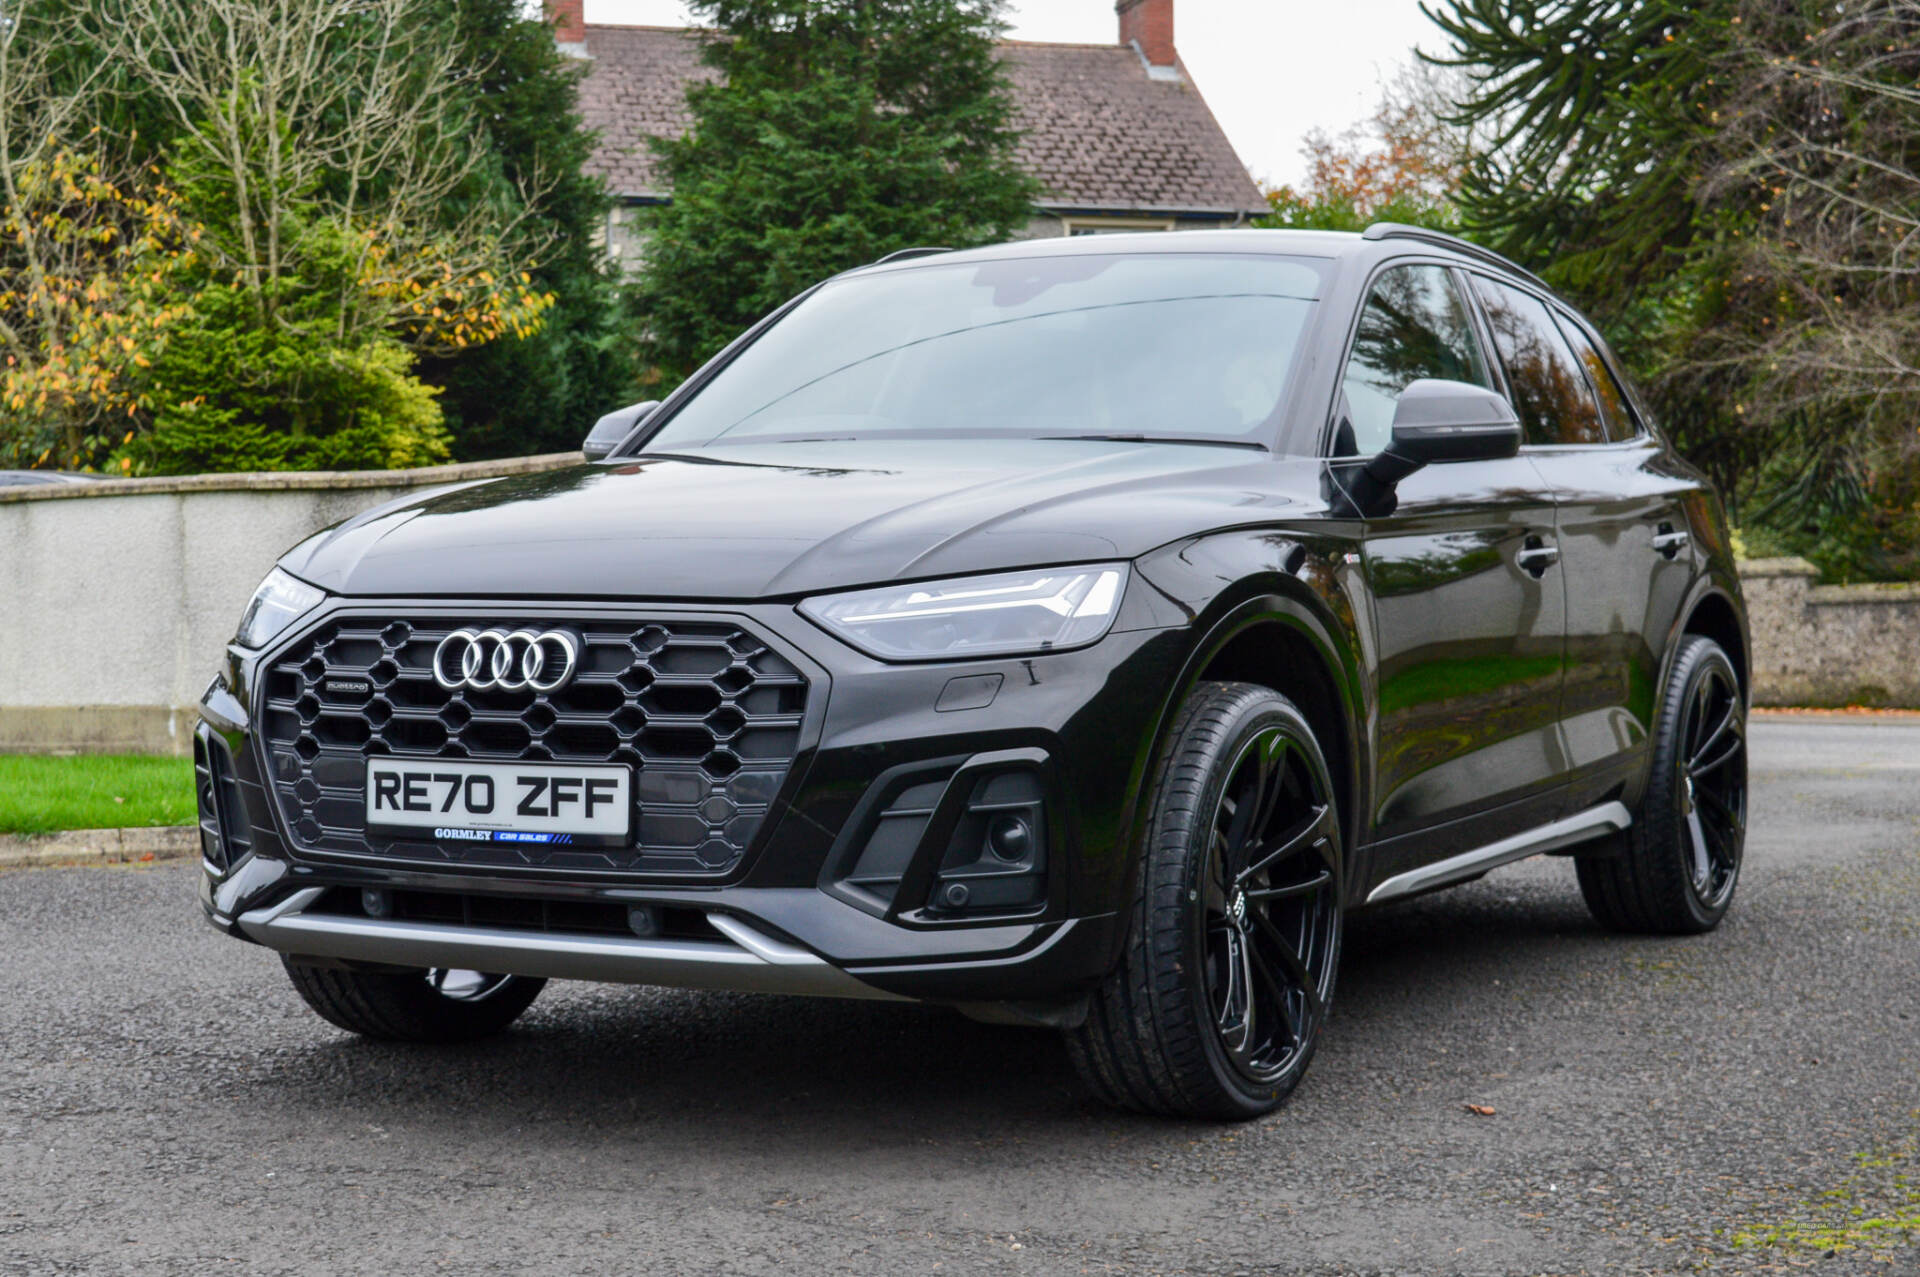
{"points": [[1536, 556], [1668, 543]]}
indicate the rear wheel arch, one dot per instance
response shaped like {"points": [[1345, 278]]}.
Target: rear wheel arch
{"points": [[1709, 611], [1714, 616]]}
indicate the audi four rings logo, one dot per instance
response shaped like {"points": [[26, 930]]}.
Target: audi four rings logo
{"points": [[505, 660]]}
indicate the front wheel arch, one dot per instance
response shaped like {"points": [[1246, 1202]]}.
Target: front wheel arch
{"points": [[1290, 645], [1286, 658]]}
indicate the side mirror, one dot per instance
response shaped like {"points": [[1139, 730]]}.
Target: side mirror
{"points": [[1434, 422], [1441, 421], [612, 428]]}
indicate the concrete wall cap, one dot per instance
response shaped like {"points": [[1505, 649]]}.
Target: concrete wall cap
{"points": [[1882, 592], [291, 480], [1777, 567]]}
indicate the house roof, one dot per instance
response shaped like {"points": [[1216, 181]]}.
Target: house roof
{"points": [[1100, 133], [636, 88]]}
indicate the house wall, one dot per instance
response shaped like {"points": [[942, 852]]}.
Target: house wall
{"points": [[625, 236], [625, 233], [1054, 225]]}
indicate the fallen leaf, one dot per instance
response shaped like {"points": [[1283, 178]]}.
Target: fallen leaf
{"points": [[1479, 1110]]}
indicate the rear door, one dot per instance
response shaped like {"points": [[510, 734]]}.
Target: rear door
{"points": [[1468, 612], [1625, 544]]}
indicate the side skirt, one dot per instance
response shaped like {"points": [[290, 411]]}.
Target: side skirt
{"points": [[1595, 822]]}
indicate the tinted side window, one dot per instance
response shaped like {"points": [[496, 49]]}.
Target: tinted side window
{"points": [[1414, 325], [1549, 391], [1613, 400]]}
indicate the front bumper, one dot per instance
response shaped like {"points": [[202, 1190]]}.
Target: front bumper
{"points": [[791, 916], [739, 958]]}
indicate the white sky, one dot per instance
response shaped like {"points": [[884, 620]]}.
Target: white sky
{"points": [[1270, 69]]}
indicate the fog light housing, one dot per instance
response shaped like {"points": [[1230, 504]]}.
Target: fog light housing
{"points": [[948, 841], [996, 860], [376, 903]]}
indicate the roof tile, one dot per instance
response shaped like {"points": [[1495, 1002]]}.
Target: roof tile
{"points": [[1098, 131]]}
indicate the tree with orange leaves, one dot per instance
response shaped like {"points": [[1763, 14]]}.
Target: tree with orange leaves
{"points": [[84, 306], [1404, 164]]}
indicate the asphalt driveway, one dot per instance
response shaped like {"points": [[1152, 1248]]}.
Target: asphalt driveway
{"points": [[167, 1104]]}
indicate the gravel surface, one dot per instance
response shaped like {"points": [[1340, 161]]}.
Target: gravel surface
{"points": [[167, 1104]]}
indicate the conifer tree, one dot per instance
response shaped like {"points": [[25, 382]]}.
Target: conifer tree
{"points": [[1731, 187], [840, 130]]}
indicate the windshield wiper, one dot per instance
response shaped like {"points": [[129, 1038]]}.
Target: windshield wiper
{"points": [[1186, 439]]}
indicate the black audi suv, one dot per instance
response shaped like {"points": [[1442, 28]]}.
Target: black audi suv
{"points": [[1069, 632]]}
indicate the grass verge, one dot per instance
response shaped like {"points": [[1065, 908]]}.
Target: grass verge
{"points": [[39, 795]]}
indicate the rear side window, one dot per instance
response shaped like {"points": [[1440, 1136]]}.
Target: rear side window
{"points": [[1415, 325], [1613, 400], [1550, 392]]}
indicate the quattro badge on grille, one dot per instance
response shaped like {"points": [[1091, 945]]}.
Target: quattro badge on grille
{"points": [[507, 661]]}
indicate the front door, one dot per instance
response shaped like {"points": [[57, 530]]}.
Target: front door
{"points": [[1468, 600], [1470, 624]]}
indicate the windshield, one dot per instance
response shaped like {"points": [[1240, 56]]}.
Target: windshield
{"points": [[1173, 345]]}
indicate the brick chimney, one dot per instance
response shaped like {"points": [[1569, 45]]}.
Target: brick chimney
{"points": [[1147, 25], [569, 18]]}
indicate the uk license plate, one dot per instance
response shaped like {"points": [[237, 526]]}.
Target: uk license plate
{"points": [[454, 801]]}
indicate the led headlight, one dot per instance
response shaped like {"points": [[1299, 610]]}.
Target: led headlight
{"points": [[1010, 613], [279, 602]]}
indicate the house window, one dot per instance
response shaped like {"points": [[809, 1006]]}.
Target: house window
{"points": [[1114, 225]]}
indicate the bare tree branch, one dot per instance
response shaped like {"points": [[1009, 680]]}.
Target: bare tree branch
{"points": [[345, 106]]}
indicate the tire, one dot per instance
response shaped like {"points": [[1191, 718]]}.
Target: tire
{"points": [[1218, 1001], [412, 1006], [1679, 862]]}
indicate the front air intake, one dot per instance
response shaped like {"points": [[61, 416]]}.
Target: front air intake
{"points": [[947, 842], [225, 836]]}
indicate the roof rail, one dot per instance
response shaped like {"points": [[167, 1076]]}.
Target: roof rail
{"points": [[1399, 230], [903, 254]]}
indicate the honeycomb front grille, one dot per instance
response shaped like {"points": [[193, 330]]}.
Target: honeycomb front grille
{"points": [[707, 714]]}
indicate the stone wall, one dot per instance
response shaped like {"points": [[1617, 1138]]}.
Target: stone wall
{"points": [[1830, 644], [117, 598]]}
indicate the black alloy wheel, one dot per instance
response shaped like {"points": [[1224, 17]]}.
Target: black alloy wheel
{"points": [[466, 986], [1220, 1000], [429, 1005], [1268, 908], [1713, 783], [1675, 870]]}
